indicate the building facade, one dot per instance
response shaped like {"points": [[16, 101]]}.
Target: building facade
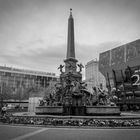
{"points": [[17, 83], [121, 68], [115, 63], [93, 77]]}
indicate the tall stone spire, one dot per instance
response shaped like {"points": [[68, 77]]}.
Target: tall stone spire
{"points": [[70, 61], [70, 41]]}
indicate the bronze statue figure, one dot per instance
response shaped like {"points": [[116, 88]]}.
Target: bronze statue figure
{"points": [[80, 67], [61, 68]]}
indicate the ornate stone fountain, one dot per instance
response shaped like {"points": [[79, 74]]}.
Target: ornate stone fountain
{"points": [[72, 93]]}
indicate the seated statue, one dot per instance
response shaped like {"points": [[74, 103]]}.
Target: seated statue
{"points": [[41, 102], [102, 97]]}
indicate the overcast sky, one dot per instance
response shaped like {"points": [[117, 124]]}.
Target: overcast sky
{"points": [[33, 33]]}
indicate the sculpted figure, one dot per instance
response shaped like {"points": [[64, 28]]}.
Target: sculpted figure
{"points": [[76, 87], [80, 67], [61, 68], [102, 97]]}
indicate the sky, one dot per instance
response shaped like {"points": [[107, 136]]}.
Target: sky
{"points": [[33, 33]]}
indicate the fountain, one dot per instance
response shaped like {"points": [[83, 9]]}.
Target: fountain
{"points": [[71, 97]]}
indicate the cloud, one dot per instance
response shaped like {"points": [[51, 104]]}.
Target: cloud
{"points": [[86, 53], [34, 33], [44, 59]]}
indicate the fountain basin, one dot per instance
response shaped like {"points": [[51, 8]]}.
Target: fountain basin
{"points": [[89, 110], [50, 110], [102, 110]]}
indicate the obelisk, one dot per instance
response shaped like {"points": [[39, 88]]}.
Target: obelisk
{"points": [[71, 61], [70, 41], [70, 78]]}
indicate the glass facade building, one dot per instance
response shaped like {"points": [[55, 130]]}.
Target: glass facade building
{"points": [[15, 82]]}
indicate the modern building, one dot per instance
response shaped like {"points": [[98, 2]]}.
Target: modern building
{"points": [[116, 64], [121, 68], [93, 77], [17, 83]]}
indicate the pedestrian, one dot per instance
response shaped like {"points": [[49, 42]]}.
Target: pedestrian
{"points": [[4, 110]]}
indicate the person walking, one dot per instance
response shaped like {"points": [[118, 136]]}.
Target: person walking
{"points": [[4, 110]]}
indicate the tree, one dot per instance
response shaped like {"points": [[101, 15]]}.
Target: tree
{"points": [[5, 92]]}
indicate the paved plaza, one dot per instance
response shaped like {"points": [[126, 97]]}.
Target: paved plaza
{"points": [[9, 132]]}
